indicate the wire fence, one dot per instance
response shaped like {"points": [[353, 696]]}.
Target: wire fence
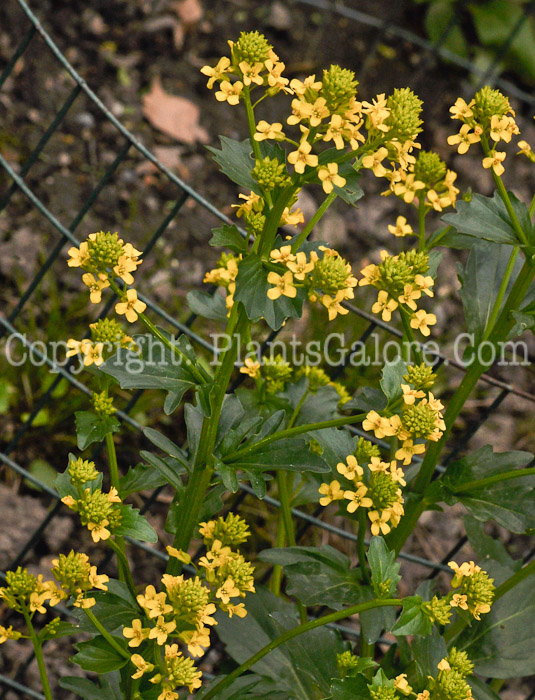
{"points": [[65, 234]]}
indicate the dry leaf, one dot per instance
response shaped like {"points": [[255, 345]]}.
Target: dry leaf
{"points": [[174, 116], [189, 11]]}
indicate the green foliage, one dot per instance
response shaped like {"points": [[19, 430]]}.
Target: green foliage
{"points": [[91, 427], [98, 655]]}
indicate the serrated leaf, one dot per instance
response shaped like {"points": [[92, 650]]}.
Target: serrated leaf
{"points": [[317, 575], [99, 656], [229, 236], [135, 525], [157, 368], [412, 619], [428, 652], [236, 162], [384, 568], [487, 218], [91, 428], [252, 288]]}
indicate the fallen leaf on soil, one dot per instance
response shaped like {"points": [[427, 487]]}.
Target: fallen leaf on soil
{"points": [[176, 117]]}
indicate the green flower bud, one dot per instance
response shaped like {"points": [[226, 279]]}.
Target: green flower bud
{"points": [[346, 662], [366, 450], [451, 685], [252, 47], [419, 419], [276, 372], [404, 118], [338, 87], [225, 259], [459, 661], [189, 597], [479, 591], [269, 173], [429, 169], [489, 102], [316, 376], [72, 571], [102, 403], [315, 447], [383, 490], [181, 671], [81, 471], [330, 274], [231, 530], [254, 222], [420, 376], [438, 609], [383, 692], [21, 582], [240, 571], [107, 330], [105, 249]]}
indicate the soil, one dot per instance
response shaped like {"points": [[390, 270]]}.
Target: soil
{"points": [[120, 48]]}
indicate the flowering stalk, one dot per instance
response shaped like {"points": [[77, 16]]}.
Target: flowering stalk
{"points": [[295, 632], [38, 650]]}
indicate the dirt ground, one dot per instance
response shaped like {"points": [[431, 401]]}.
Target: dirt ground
{"points": [[124, 48]]}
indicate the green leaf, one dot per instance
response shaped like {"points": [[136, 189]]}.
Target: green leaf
{"points": [[392, 379], [63, 484], [140, 478], [489, 549], [351, 688], [228, 476], [166, 445], [480, 690], [249, 686], [317, 575], [169, 469], [428, 652], [83, 688], [43, 471], [236, 162], [57, 630], [156, 368], [502, 645], [291, 454], [412, 619], [207, 305], [230, 237], [440, 27], [487, 218], [91, 427], [384, 568], [113, 612], [99, 656], [303, 667], [252, 288], [135, 525], [367, 398], [480, 279], [510, 503]]}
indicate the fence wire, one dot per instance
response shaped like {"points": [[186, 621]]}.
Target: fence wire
{"points": [[65, 234]]}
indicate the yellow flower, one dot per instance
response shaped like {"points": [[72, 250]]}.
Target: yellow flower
{"points": [[251, 74], [338, 128], [302, 157], [136, 634], [334, 304], [79, 256], [141, 665], [401, 684], [465, 138], [292, 218], [374, 162], [422, 320], [526, 150], [384, 305], [123, 269], [402, 228], [459, 600], [410, 293], [407, 188], [227, 591], [379, 522], [319, 111], [330, 492], [283, 285], [380, 426], [503, 129], [269, 131], [309, 83], [216, 73], [350, 469], [162, 630], [251, 367], [495, 161], [370, 275], [158, 606], [282, 255], [425, 284], [99, 531], [300, 110], [229, 92], [131, 307], [275, 79], [358, 498], [300, 268], [377, 112], [8, 633], [410, 395], [95, 286], [329, 177], [461, 110], [98, 580], [231, 609], [443, 665], [93, 354], [76, 346]]}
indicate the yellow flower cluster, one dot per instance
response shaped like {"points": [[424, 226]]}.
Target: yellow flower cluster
{"points": [[327, 279], [106, 336], [27, 594], [374, 485], [99, 511], [487, 118], [183, 610], [474, 588], [103, 256], [401, 280], [224, 275]]}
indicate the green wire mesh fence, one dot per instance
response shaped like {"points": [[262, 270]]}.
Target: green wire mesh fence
{"points": [[64, 234]]}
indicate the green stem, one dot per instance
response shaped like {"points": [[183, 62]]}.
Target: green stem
{"points": [[122, 563], [532, 207], [125, 574], [501, 294], [409, 335], [273, 221], [489, 480], [441, 235], [361, 546], [252, 130], [107, 636], [421, 223], [296, 631], [38, 650], [276, 575], [313, 221], [112, 460], [291, 432]]}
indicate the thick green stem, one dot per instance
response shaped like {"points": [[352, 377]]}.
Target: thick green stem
{"points": [[107, 636], [125, 574], [292, 432], [272, 224], [276, 576], [251, 123], [501, 294], [38, 650], [295, 632], [421, 223], [490, 480], [361, 546], [408, 335], [313, 221], [122, 563]]}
